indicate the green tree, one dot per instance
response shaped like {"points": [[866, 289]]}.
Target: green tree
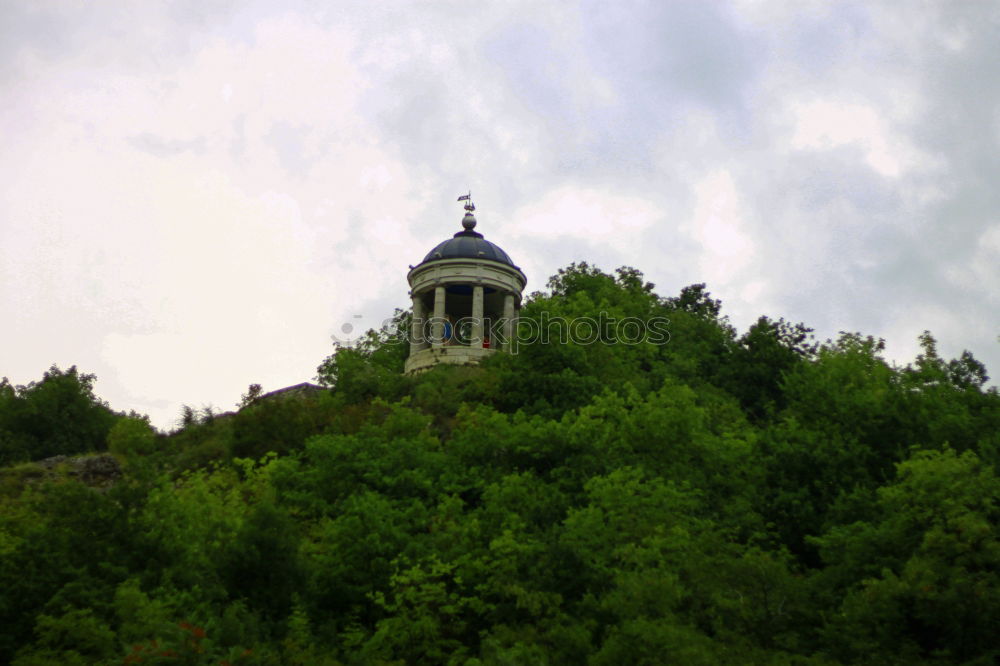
{"points": [[74, 638], [262, 565], [279, 425], [132, 436], [921, 579], [701, 338], [763, 356], [430, 613], [373, 365], [70, 555], [58, 415]]}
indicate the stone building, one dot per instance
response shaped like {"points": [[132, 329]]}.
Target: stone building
{"points": [[466, 295]]}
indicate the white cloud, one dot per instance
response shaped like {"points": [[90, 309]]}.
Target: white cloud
{"points": [[718, 227], [585, 213], [823, 125], [197, 268], [983, 267], [570, 224]]}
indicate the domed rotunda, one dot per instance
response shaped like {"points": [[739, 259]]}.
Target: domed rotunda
{"points": [[466, 294]]}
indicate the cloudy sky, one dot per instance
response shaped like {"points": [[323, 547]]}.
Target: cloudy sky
{"points": [[195, 196]]}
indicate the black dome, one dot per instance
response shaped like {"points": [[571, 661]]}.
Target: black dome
{"points": [[468, 244]]}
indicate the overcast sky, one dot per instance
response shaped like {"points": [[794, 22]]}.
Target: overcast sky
{"points": [[195, 196]]}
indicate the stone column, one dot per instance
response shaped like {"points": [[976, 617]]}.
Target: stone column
{"points": [[517, 316], [437, 328], [508, 322], [418, 331], [476, 341]]}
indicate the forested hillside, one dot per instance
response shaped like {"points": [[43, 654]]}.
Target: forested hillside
{"points": [[720, 498]]}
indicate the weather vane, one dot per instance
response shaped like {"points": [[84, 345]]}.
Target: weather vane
{"points": [[467, 198]]}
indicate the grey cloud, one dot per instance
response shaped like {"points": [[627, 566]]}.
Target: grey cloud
{"points": [[161, 147], [692, 50], [292, 144], [503, 105]]}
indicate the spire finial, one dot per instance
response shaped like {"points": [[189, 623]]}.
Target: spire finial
{"points": [[467, 198], [469, 221]]}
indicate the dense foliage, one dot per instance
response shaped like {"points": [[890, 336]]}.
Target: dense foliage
{"points": [[612, 499], [58, 415]]}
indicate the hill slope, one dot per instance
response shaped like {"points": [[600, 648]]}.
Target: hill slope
{"points": [[616, 497]]}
